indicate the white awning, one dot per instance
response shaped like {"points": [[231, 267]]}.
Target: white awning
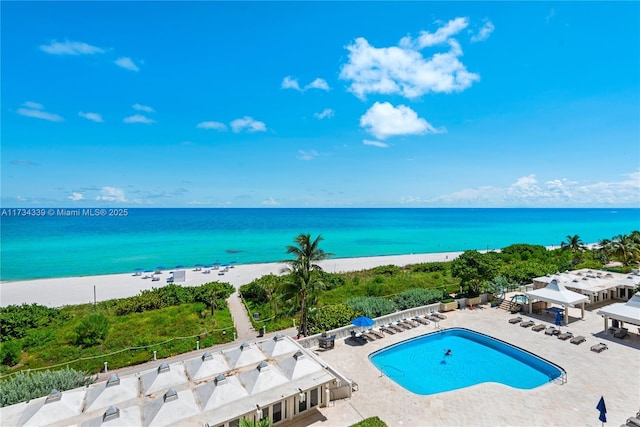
{"points": [[628, 312]]}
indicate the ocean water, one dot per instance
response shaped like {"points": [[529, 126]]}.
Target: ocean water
{"points": [[56, 245]]}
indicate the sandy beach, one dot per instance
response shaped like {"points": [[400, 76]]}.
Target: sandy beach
{"points": [[80, 290]]}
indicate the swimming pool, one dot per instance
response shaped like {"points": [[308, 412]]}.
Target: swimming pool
{"points": [[421, 366]]}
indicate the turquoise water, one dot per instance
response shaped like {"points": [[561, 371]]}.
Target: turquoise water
{"points": [[62, 246], [420, 365]]}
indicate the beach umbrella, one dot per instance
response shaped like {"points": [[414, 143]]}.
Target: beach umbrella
{"points": [[180, 266], [603, 410], [363, 321], [161, 267]]}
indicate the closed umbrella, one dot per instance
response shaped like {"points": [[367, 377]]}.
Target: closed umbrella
{"points": [[603, 410]]}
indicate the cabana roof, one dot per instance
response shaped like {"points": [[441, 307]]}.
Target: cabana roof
{"points": [[628, 312], [556, 293]]}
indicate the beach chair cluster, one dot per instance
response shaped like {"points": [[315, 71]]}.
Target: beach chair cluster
{"points": [[556, 332]]}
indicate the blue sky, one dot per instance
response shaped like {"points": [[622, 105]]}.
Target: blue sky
{"points": [[328, 104]]}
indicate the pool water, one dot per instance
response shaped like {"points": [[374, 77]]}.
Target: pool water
{"points": [[520, 299], [421, 366]]}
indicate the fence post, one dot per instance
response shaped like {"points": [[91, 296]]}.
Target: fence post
{"points": [[105, 367], [155, 353], [197, 344]]}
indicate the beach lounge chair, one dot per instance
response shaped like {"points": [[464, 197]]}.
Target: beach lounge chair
{"points": [[368, 336], [551, 330], [565, 336], [387, 330], [527, 324], [578, 340], [433, 318], [395, 328], [421, 320], [633, 421], [376, 334], [599, 347], [440, 315], [621, 333], [403, 325], [411, 323], [515, 320], [539, 327]]}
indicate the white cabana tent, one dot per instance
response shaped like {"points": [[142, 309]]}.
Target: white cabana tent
{"points": [[624, 312], [556, 293]]}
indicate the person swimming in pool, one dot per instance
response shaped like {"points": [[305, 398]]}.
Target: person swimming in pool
{"points": [[448, 353]]}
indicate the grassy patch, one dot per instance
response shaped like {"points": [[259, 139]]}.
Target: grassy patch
{"points": [[168, 331]]}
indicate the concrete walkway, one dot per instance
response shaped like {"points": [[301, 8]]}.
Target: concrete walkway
{"points": [[244, 328]]}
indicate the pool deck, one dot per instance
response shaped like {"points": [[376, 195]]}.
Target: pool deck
{"points": [[613, 373]]}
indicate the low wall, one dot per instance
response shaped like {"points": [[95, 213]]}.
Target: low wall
{"points": [[345, 331]]}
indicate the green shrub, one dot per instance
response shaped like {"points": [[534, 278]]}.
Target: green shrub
{"points": [[92, 330], [370, 422], [417, 297], [16, 320], [387, 270], [331, 317], [254, 292], [372, 306], [331, 280], [428, 267], [10, 352], [375, 288], [30, 385]]}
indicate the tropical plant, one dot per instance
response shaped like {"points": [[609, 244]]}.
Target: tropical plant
{"points": [[573, 243], [264, 422], [474, 268], [303, 282], [626, 247], [92, 330]]}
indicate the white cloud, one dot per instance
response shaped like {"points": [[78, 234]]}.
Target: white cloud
{"points": [[290, 83], [70, 48], [383, 120], [145, 108], [126, 63], [327, 112], [94, 117], [307, 155], [249, 124], [138, 118], [404, 70], [35, 110], [443, 33], [111, 194], [33, 105], [379, 144], [269, 202], [484, 32], [212, 125], [318, 84], [557, 192], [76, 196]]}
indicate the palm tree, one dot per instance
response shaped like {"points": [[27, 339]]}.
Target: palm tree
{"points": [[573, 243], [304, 284], [625, 247]]}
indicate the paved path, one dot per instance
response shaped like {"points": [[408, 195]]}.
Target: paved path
{"points": [[243, 325]]}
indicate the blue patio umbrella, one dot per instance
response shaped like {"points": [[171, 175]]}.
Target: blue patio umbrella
{"points": [[603, 410], [179, 266], [363, 321]]}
